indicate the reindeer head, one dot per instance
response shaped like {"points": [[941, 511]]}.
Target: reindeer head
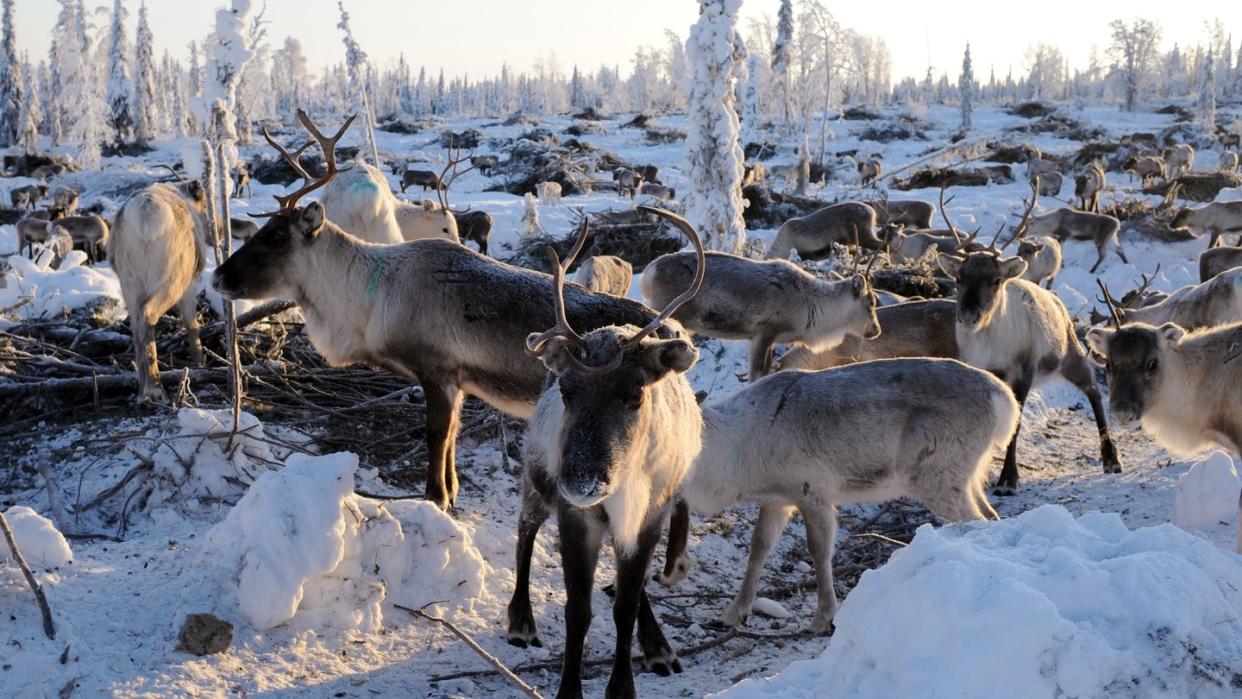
{"points": [[1132, 357], [262, 267], [1030, 248], [981, 279], [614, 384]]}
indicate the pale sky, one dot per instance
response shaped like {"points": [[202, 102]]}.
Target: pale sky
{"points": [[477, 36]]}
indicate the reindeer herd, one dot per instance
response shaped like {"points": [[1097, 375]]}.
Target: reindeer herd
{"points": [[618, 442]]}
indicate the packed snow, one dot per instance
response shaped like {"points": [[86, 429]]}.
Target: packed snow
{"points": [[41, 544]]}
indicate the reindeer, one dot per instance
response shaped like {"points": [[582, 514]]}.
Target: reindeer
{"points": [[658, 192], [1229, 161], [157, 250], [916, 214], [59, 245], [1217, 301], [913, 245], [1024, 335], [848, 223], [1049, 184], [1179, 159], [90, 233], [753, 173], [430, 310], [31, 230], [1217, 218], [766, 302], [27, 196], [1040, 167], [1180, 386], [242, 229], [649, 173], [911, 329], [1230, 140], [869, 170], [548, 192], [612, 437], [1068, 224], [628, 181], [484, 163], [241, 180], [1088, 186], [1213, 261], [1147, 168], [1043, 259], [605, 274], [474, 226], [422, 178], [65, 199]]}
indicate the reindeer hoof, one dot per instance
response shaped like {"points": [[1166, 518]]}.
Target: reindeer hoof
{"points": [[665, 665], [822, 625], [681, 571], [734, 616], [1004, 490], [523, 637]]}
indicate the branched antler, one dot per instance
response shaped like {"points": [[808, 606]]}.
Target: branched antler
{"points": [[944, 213], [1112, 305], [326, 144], [450, 173]]}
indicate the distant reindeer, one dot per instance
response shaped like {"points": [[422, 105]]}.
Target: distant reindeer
{"points": [[911, 329], [1179, 159], [1088, 187], [908, 212], [1024, 335], [27, 196], [764, 301], [1068, 224], [1216, 219], [1231, 140], [1229, 161], [1050, 184], [870, 170], [650, 173], [548, 192], [90, 233], [1147, 168], [628, 181], [1039, 167], [420, 178], [1213, 261], [485, 163], [605, 274], [157, 247], [474, 226], [65, 199], [848, 223], [241, 180], [1043, 259], [753, 173], [658, 192]]}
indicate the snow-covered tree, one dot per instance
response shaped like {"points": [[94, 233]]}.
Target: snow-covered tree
{"points": [[405, 88], [530, 217], [289, 76], [1134, 48], [781, 50], [31, 114], [575, 90], [120, 87], [966, 90], [146, 101], [1205, 107], [10, 82], [80, 97], [750, 101], [356, 61], [196, 73], [741, 72], [420, 92], [713, 153]]}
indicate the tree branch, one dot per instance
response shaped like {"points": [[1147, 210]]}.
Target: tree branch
{"points": [[48, 628]]}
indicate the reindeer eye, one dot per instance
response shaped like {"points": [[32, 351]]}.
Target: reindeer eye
{"points": [[632, 398], [1151, 365]]}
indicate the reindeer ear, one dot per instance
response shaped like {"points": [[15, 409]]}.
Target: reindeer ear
{"points": [[665, 356], [950, 264], [1171, 334], [1013, 267], [1097, 342], [429, 205], [555, 354], [860, 286], [310, 220]]}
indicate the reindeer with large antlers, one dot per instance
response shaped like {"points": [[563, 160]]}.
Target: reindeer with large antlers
{"points": [[431, 310], [613, 435]]}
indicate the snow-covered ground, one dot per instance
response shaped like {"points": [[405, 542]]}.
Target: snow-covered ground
{"points": [[269, 537]]}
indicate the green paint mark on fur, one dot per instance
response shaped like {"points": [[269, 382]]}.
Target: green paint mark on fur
{"points": [[373, 280]]}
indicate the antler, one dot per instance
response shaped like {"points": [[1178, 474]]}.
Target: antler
{"points": [[1112, 305], [1020, 229], [945, 215], [446, 180], [536, 344], [291, 158], [327, 145], [699, 273], [1147, 281]]}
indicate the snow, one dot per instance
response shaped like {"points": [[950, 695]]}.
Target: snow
{"points": [[53, 292], [41, 544], [1207, 494], [1043, 604]]}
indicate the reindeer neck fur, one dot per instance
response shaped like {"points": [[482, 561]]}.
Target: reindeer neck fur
{"points": [[710, 489], [1028, 324], [828, 307], [1190, 410], [338, 313]]}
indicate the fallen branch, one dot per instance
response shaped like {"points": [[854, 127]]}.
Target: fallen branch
{"points": [[250, 317], [491, 659], [48, 628], [127, 380]]}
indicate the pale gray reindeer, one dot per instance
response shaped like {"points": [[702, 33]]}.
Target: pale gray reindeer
{"points": [[1089, 185], [431, 310], [658, 192], [1023, 334], [157, 248], [1179, 159], [1229, 161], [90, 233], [628, 181], [1216, 219], [65, 199], [1043, 259], [27, 196], [1147, 168], [1050, 184], [605, 274], [1068, 224], [242, 229], [1213, 261], [360, 201], [911, 329], [764, 301], [869, 170], [1218, 301], [848, 223], [611, 439]]}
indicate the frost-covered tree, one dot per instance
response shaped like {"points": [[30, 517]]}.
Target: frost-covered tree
{"points": [[10, 81], [966, 90], [356, 61], [713, 153], [530, 217], [120, 87], [146, 101], [781, 50], [741, 72], [405, 88], [1237, 75], [1205, 107], [31, 113], [289, 77], [420, 92], [575, 90], [1134, 48], [750, 101], [196, 73], [80, 97]]}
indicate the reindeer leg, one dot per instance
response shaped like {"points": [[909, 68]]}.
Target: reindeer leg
{"points": [[768, 528], [450, 449], [658, 655], [676, 562], [631, 577], [1007, 484], [187, 308], [821, 538], [143, 328], [1121, 253], [580, 535], [522, 630], [442, 406], [760, 357], [1098, 260], [1079, 373]]}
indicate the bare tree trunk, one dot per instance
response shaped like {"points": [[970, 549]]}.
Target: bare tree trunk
{"points": [[216, 173]]}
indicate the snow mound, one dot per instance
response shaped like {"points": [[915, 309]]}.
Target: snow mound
{"points": [[1207, 494], [42, 545], [1039, 605], [301, 547], [53, 292]]}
